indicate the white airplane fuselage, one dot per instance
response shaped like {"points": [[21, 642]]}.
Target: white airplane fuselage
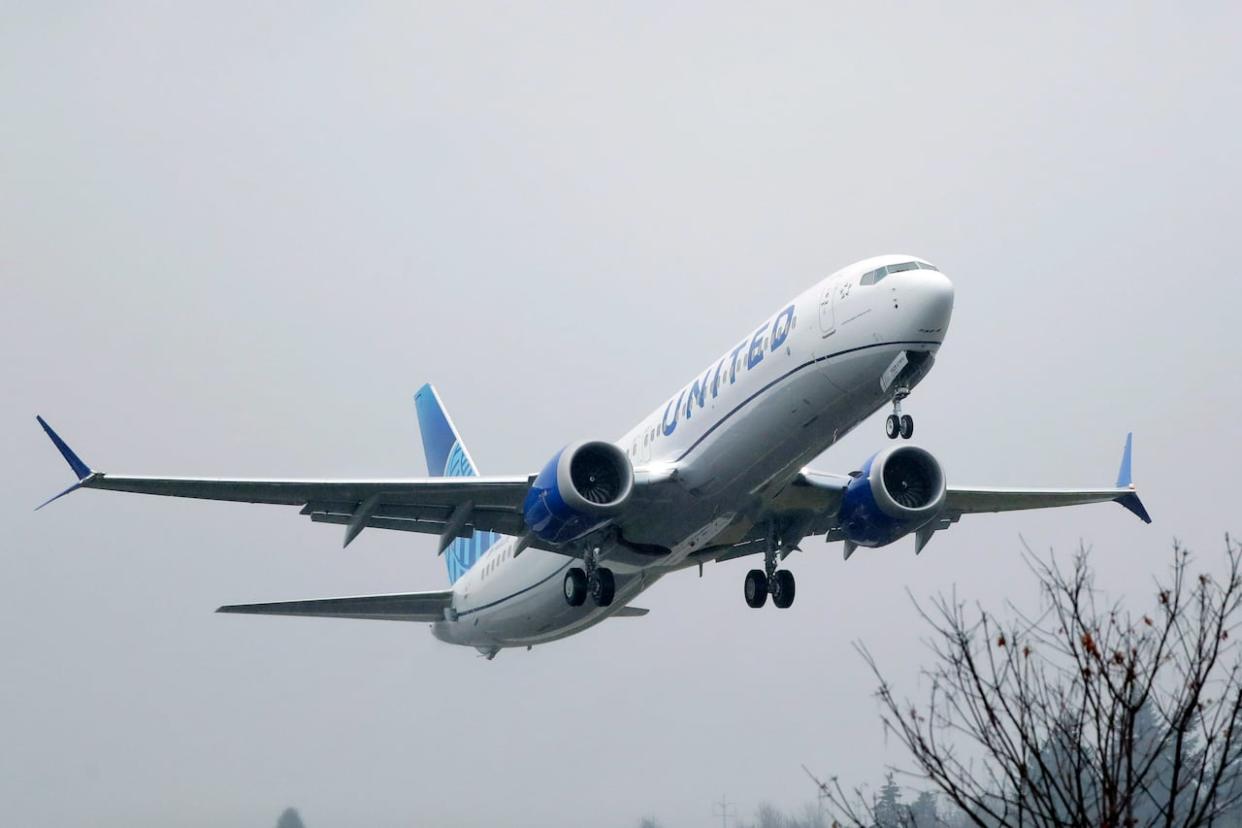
{"points": [[731, 439]]}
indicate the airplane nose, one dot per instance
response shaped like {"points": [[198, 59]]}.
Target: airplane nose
{"points": [[930, 295]]}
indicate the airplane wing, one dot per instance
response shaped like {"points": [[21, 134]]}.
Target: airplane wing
{"points": [[405, 606], [812, 500], [961, 500], [450, 507]]}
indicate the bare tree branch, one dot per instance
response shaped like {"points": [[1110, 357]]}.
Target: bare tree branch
{"points": [[1081, 713]]}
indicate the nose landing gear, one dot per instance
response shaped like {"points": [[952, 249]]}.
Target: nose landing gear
{"points": [[898, 424]]}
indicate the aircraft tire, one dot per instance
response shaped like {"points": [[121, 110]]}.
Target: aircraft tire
{"points": [[603, 587], [783, 588], [756, 588], [575, 587], [907, 426], [892, 426]]}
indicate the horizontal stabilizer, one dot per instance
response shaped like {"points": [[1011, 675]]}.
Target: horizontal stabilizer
{"points": [[402, 606]]}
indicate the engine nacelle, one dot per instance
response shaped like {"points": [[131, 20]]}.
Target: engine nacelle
{"points": [[899, 490], [580, 489]]}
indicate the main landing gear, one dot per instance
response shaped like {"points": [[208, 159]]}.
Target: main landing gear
{"points": [[596, 581], [898, 424], [779, 583]]}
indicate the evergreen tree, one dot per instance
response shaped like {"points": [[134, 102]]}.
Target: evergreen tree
{"points": [[290, 819], [889, 811], [923, 811]]}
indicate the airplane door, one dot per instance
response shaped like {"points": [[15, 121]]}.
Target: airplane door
{"points": [[827, 319], [827, 327]]}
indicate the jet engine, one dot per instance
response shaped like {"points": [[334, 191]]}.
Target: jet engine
{"points": [[580, 489], [899, 490]]}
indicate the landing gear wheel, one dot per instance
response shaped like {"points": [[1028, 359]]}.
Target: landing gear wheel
{"points": [[783, 588], [892, 426], [575, 587], [603, 586], [907, 426], [756, 588]]}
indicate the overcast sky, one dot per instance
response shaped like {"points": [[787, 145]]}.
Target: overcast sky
{"points": [[235, 239]]}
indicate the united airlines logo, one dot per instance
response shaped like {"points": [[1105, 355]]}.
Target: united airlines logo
{"points": [[747, 356]]}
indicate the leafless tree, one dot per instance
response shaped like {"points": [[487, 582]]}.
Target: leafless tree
{"points": [[1081, 714]]}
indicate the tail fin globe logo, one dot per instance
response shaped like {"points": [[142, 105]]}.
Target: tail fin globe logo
{"points": [[458, 464], [463, 553], [447, 457]]}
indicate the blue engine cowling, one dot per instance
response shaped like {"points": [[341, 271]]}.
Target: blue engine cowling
{"points": [[899, 490], [580, 489]]}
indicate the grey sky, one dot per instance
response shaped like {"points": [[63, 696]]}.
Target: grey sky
{"points": [[234, 239]]}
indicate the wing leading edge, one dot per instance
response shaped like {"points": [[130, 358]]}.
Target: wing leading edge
{"points": [[961, 500], [427, 505]]}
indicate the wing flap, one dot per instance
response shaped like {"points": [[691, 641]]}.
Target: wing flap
{"points": [[501, 524], [406, 606]]}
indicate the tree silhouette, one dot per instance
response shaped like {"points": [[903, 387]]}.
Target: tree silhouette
{"points": [[290, 819], [923, 812], [888, 811], [1083, 714]]}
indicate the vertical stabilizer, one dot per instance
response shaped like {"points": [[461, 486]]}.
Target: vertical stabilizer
{"points": [[447, 457]]}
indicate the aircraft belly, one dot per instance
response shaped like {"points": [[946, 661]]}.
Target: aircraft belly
{"points": [[853, 371], [859, 374], [548, 618], [537, 615]]}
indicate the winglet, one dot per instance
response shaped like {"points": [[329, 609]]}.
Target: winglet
{"points": [[1124, 477], [1125, 480], [1131, 501], [82, 470]]}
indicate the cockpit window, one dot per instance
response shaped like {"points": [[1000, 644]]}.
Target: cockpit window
{"points": [[873, 276], [926, 266]]}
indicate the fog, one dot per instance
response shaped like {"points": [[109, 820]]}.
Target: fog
{"points": [[235, 238]]}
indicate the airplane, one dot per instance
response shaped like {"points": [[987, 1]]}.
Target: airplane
{"points": [[717, 471]]}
